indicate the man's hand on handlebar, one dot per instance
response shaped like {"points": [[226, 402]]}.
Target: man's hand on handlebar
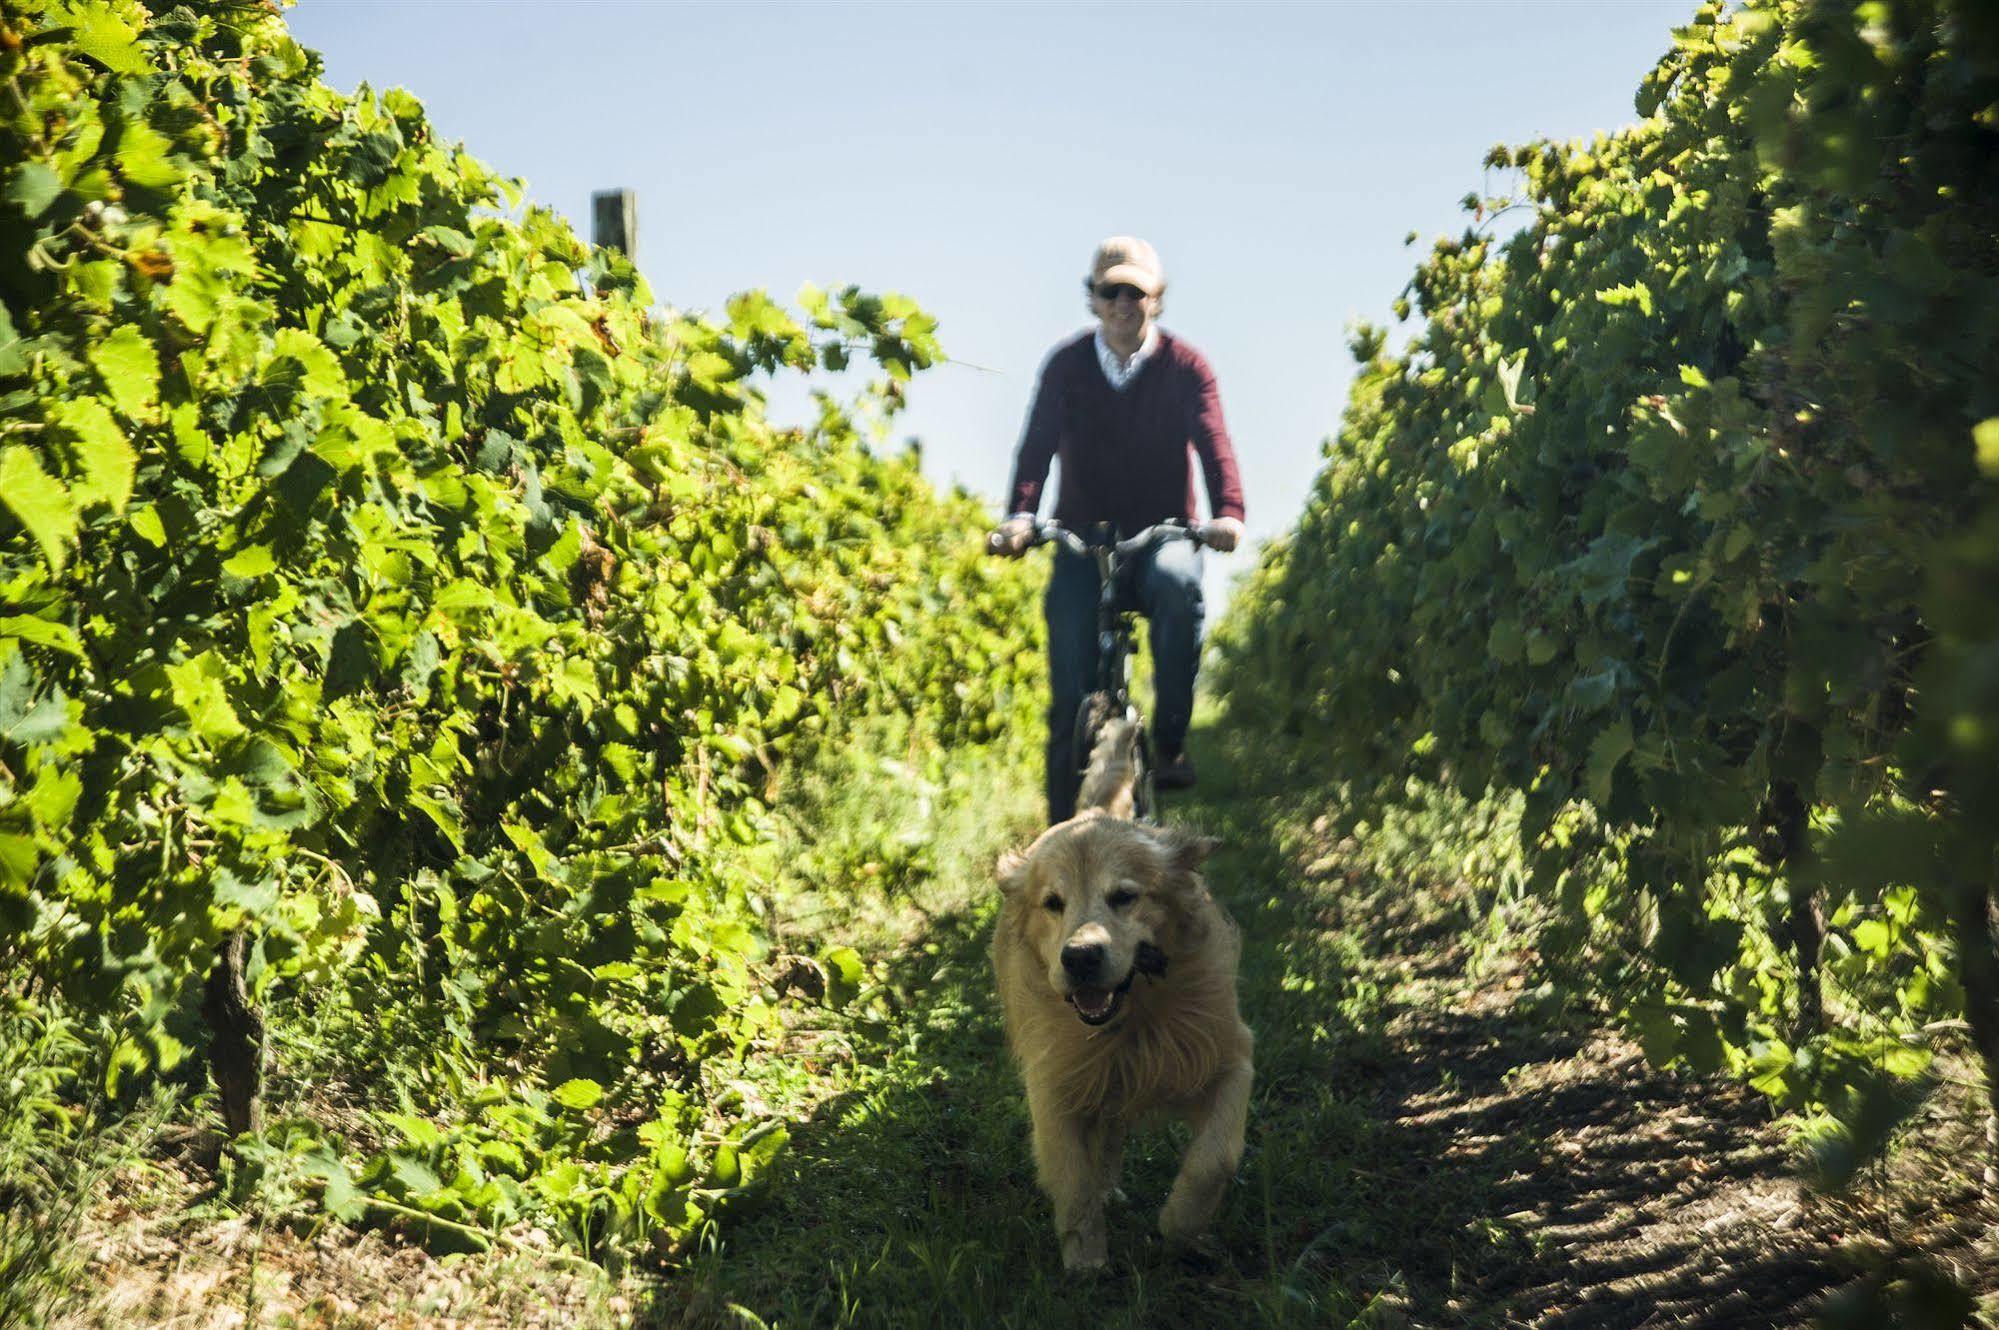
{"points": [[1011, 538], [1223, 534]]}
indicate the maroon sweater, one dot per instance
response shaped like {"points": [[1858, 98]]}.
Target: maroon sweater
{"points": [[1126, 455]]}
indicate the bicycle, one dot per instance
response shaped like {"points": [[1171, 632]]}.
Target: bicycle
{"points": [[1110, 700]]}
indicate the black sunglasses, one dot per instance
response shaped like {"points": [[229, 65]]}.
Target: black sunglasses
{"points": [[1112, 290]]}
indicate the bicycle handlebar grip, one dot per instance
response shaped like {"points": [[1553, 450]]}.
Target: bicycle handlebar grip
{"points": [[1053, 531]]}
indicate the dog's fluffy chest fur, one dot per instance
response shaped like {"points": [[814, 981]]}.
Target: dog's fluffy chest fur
{"points": [[1165, 1047]]}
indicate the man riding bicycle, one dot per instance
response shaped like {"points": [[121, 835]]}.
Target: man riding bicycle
{"points": [[1125, 407]]}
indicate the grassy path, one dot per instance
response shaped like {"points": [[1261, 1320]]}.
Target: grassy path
{"points": [[1426, 1148]]}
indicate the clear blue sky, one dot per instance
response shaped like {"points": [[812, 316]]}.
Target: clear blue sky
{"points": [[972, 156]]}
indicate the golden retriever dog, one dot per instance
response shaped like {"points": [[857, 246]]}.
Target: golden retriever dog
{"points": [[1116, 974]]}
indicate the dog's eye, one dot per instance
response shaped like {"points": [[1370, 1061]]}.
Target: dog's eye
{"points": [[1053, 903], [1122, 897]]}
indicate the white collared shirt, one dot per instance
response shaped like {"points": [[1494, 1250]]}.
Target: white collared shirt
{"points": [[1122, 372]]}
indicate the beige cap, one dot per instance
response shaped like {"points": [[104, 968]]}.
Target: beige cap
{"points": [[1128, 259]]}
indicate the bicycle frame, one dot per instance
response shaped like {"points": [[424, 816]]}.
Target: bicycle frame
{"points": [[1114, 629], [1114, 626], [1115, 640]]}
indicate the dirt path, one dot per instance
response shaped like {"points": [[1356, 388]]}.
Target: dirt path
{"points": [[1614, 1195]]}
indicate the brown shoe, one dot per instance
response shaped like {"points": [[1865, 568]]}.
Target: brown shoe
{"points": [[1175, 773]]}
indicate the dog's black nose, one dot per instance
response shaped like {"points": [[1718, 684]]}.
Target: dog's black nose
{"points": [[1082, 959]]}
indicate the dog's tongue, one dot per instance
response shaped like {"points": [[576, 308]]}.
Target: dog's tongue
{"points": [[1092, 1001]]}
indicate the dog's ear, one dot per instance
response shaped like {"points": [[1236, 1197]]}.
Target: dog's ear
{"points": [[1185, 850], [1185, 893], [1011, 872]]}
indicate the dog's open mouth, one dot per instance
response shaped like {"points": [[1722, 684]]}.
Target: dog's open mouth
{"points": [[1097, 1005]]}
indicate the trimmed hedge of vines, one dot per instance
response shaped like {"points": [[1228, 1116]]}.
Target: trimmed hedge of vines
{"points": [[400, 615], [1676, 519]]}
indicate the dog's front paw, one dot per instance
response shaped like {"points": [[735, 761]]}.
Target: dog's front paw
{"points": [[1084, 1254], [1181, 1221], [1185, 1228], [1204, 1251]]}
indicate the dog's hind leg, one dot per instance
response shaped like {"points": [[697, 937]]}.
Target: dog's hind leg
{"points": [[1218, 1117]]}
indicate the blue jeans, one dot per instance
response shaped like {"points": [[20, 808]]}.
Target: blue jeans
{"points": [[1165, 586]]}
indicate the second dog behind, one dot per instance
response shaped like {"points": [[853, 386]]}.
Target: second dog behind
{"points": [[1111, 782]]}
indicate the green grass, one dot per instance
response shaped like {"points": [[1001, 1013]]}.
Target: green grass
{"points": [[910, 1200], [55, 1160]]}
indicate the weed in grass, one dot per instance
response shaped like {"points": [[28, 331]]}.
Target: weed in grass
{"points": [[55, 1159]]}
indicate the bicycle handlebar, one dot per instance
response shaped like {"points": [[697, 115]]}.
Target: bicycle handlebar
{"points": [[1173, 528]]}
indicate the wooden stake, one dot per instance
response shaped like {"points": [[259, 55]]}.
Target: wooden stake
{"points": [[615, 220]]}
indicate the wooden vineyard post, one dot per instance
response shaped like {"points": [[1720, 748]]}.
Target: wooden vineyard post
{"points": [[614, 221], [236, 1044], [1786, 823]]}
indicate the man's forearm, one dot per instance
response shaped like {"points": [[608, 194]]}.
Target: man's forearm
{"points": [[1037, 448], [1217, 453]]}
